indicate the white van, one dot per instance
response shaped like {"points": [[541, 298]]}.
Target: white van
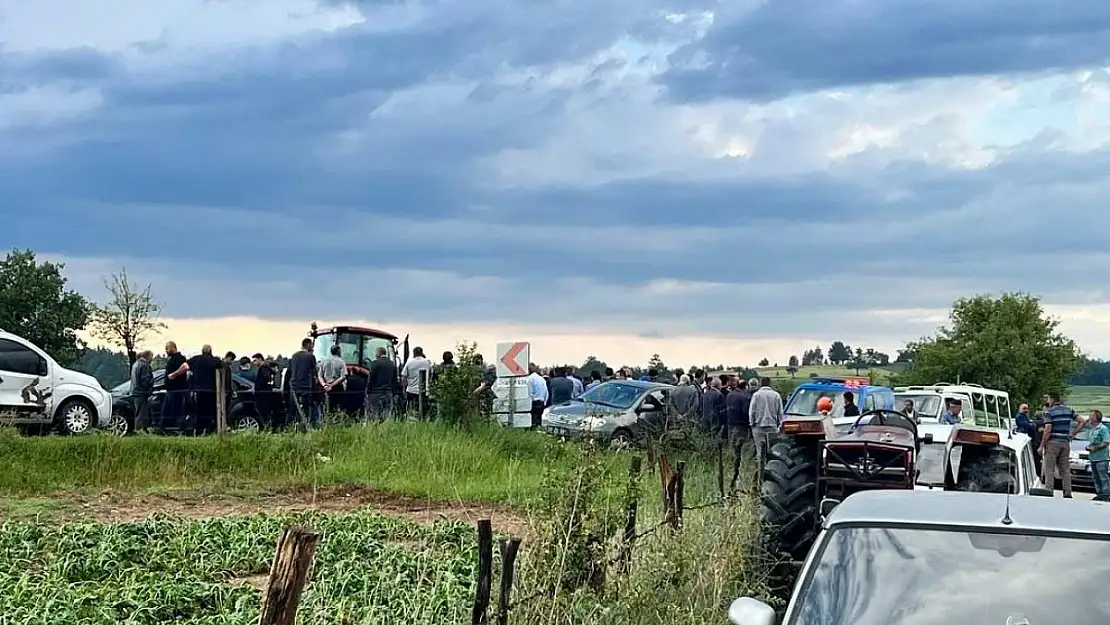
{"points": [[980, 406], [36, 390]]}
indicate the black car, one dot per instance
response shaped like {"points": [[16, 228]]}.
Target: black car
{"points": [[243, 410]]}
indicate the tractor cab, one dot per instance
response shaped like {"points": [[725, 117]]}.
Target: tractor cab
{"points": [[357, 346]]}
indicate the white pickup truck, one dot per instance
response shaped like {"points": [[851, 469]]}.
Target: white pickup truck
{"points": [[36, 390]]}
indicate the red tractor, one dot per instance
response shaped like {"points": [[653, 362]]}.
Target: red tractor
{"points": [[358, 347]]}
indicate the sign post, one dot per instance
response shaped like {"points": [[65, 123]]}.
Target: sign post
{"points": [[512, 403]]}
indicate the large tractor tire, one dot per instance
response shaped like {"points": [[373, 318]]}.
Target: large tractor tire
{"points": [[990, 473], [788, 498]]}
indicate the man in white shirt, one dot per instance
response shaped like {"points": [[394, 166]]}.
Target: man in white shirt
{"points": [[414, 378], [537, 390], [333, 376]]}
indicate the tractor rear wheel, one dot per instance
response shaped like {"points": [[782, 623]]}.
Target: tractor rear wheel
{"points": [[788, 498]]}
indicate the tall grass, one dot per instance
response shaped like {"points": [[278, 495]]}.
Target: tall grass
{"points": [[415, 459]]}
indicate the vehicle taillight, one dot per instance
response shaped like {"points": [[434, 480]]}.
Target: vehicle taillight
{"points": [[802, 427], [976, 438]]}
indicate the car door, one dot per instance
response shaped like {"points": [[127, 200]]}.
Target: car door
{"points": [[25, 382], [651, 409], [158, 396]]}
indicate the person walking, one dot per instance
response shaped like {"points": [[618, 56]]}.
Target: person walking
{"points": [[142, 387], [537, 390], [1060, 421], [1098, 446], [765, 413]]}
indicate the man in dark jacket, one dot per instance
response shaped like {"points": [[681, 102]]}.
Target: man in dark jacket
{"points": [[739, 425], [204, 368], [713, 407], [561, 387], [142, 386], [265, 399], [381, 386], [303, 379]]}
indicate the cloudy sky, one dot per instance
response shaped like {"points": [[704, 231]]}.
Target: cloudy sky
{"points": [[709, 181]]}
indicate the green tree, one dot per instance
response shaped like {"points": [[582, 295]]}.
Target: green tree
{"points": [[130, 315], [1005, 342], [590, 365], [839, 353], [764, 362], [35, 304]]}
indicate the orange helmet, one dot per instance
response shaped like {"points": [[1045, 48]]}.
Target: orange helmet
{"points": [[825, 404]]}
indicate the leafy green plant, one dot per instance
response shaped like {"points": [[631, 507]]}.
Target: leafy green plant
{"points": [[455, 389]]}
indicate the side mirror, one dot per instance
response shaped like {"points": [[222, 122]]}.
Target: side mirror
{"points": [[1042, 492], [748, 611], [928, 438], [43, 369]]}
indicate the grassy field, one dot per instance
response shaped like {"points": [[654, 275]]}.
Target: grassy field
{"points": [[415, 459], [1087, 398], [177, 557], [882, 374]]}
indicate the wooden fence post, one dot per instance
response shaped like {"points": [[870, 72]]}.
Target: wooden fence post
{"points": [[509, 549], [721, 468], [628, 540], [296, 550], [679, 493], [221, 399], [480, 615], [665, 478]]}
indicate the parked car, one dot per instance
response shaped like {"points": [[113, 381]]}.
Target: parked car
{"points": [[36, 391], [242, 413], [620, 412]]}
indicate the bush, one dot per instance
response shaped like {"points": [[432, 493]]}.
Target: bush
{"points": [[454, 389]]}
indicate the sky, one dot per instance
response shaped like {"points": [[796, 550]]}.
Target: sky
{"points": [[712, 182]]}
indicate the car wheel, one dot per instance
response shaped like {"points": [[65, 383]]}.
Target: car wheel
{"points": [[246, 423], [621, 441], [76, 417], [119, 425]]}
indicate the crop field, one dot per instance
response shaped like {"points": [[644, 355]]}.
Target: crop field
{"points": [[1087, 398], [147, 530], [882, 374], [369, 569]]}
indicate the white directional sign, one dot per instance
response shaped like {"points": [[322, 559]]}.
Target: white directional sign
{"points": [[512, 403], [512, 359]]}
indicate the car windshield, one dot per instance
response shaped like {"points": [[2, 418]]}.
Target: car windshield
{"points": [[924, 405], [900, 576], [930, 464], [804, 402], [612, 394]]}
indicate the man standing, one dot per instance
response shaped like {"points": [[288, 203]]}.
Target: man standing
{"points": [[264, 396], [683, 402], [850, 407], [333, 375], [1023, 423], [713, 409], [381, 385], [577, 386], [303, 378], [205, 367], [595, 379], [737, 405], [177, 387], [562, 387], [908, 410], [765, 414], [1099, 449], [537, 390], [142, 386], [1059, 421], [414, 377]]}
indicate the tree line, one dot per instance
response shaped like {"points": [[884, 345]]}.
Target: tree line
{"points": [[1004, 341]]}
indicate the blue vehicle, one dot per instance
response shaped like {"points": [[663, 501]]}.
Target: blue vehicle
{"points": [[803, 401]]}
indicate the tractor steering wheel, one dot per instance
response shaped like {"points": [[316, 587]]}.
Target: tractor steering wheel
{"points": [[896, 419]]}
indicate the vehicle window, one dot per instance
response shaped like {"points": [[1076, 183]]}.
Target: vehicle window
{"points": [[980, 406], [1028, 467], [924, 405], [992, 406], [17, 358], [930, 464], [613, 394], [894, 576], [804, 402], [655, 400], [869, 402], [967, 412], [1004, 408]]}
